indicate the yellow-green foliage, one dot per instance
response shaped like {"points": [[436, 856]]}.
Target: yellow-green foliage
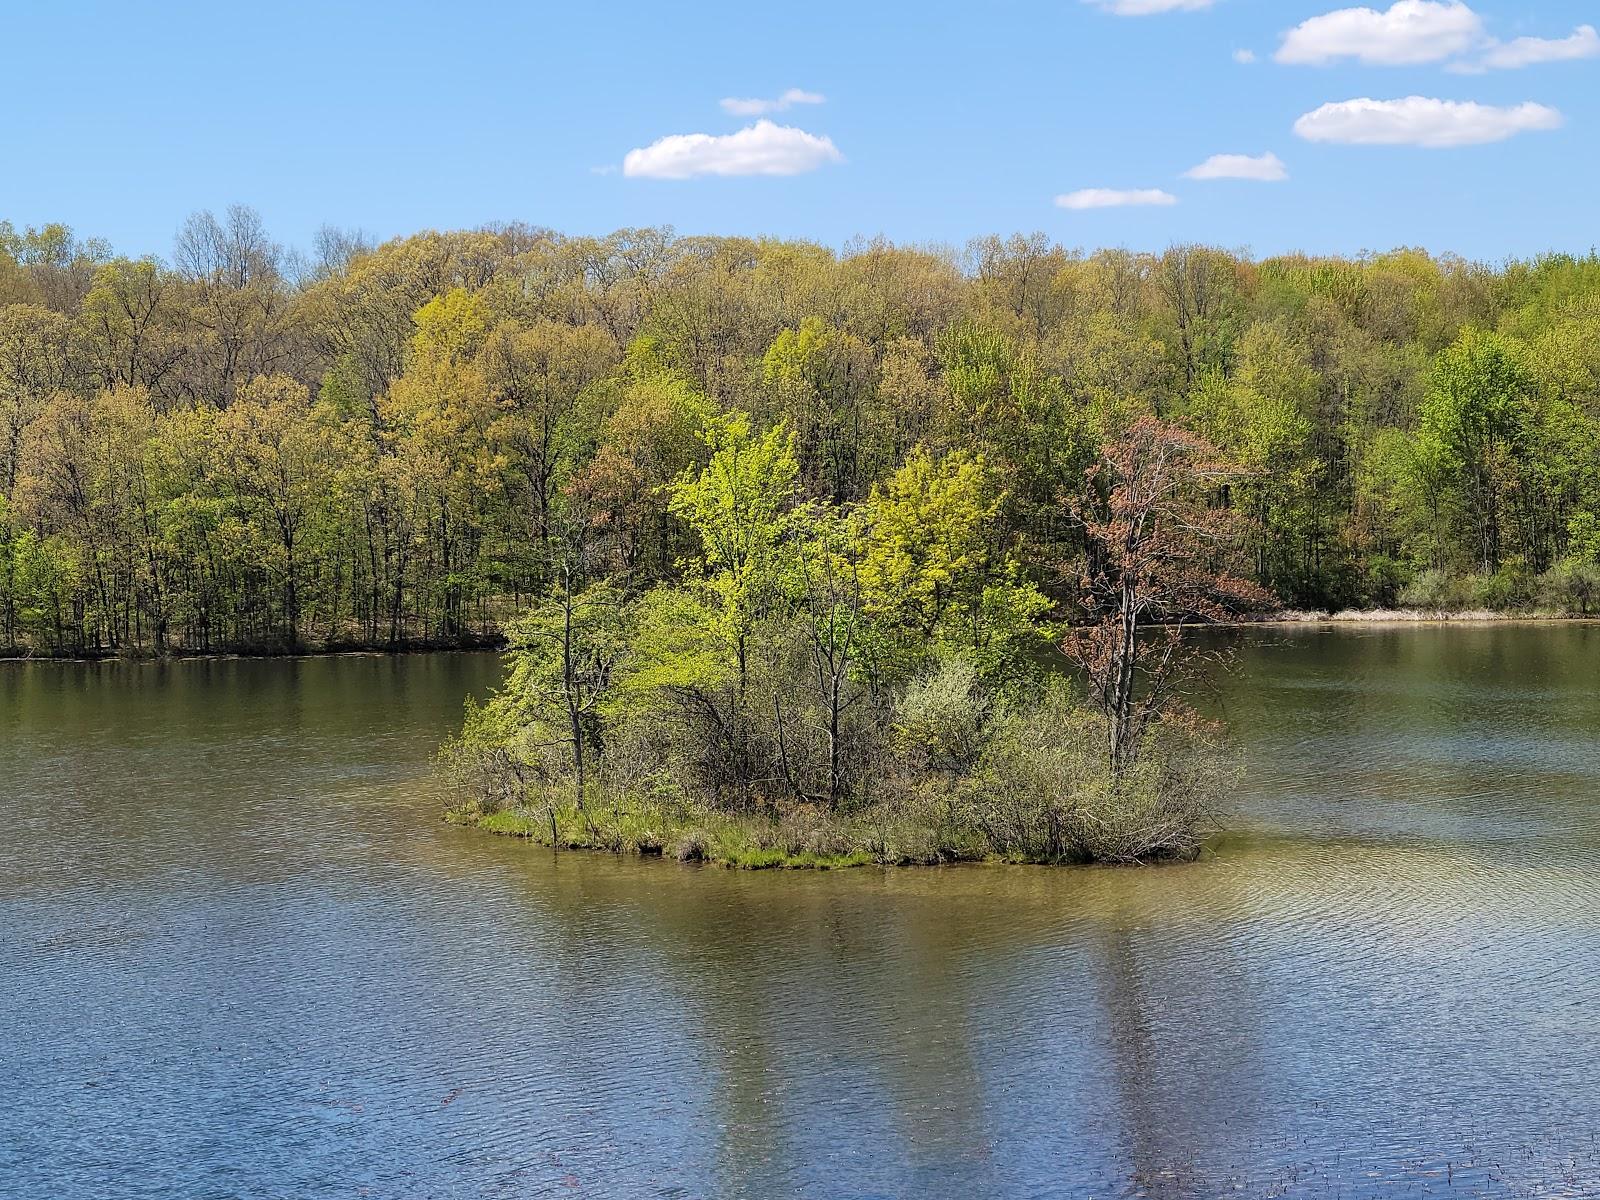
{"points": [[408, 443]]}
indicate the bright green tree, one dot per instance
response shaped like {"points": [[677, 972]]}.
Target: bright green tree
{"points": [[1473, 428]]}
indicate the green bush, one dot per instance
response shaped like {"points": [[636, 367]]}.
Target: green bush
{"points": [[1510, 588], [942, 717], [1385, 580], [1571, 586], [1044, 791], [1435, 591]]}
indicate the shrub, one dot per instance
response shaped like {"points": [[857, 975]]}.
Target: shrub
{"points": [[943, 716], [1571, 586], [1169, 803], [1385, 580], [1435, 591], [486, 763], [1511, 587], [1044, 791]]}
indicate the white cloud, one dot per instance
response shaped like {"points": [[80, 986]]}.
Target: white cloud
{"points": [[757, 108], [760, 149], [1111, 198], [1419, 121], [1244, 57], [1147, 8], [1410, 32], [1530, 51], [1265, 168]]}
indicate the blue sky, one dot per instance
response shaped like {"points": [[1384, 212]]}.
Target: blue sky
{"points": [[941, 121]]}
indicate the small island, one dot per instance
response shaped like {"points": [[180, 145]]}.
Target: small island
{"points": [[832, 685]]}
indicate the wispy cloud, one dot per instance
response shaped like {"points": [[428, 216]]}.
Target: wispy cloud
{"points": [[1112, 198], [1244, 57], [758, 108], [760, 149], [1149, 8], [1409, 33], [1420, 121], [1262, 168]]}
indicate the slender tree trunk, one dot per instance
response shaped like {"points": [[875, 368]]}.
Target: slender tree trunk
{"points": [[1124, 655], [570, 686]]}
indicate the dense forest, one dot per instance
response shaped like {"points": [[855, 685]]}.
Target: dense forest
{"points": [[250, 448]]}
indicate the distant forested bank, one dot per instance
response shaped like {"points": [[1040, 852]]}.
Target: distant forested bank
{"points": [[249, 449]]}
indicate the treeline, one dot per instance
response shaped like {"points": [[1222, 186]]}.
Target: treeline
{"points": [[245, 448]]}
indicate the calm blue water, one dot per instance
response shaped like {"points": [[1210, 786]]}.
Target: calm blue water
{"points": [[240, 956]]}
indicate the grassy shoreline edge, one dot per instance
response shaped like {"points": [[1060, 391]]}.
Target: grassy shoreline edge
{"points": [[682, 840], [804, 837]]}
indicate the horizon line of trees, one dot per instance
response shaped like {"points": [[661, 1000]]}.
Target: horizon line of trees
{"points": [[244, 449]]}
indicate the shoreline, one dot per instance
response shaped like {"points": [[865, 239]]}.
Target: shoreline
{"points": [[704, 839], [1411, 617], [485, 645], [766, 842], [1281, 619], [534, 827]]}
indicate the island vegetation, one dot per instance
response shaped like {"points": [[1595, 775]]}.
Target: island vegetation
{"points": [[788, 544], [835, 683]]}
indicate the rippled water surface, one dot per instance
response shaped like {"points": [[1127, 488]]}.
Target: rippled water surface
{"points": [[240, 956]]}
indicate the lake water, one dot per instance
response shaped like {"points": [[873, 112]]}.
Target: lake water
{"points": [[240, 956]]}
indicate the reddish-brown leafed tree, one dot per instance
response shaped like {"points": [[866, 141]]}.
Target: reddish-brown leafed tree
{"points": [[1160, 558]]}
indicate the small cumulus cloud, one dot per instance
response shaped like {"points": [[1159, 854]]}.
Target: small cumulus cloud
{"points": [[1421, 121], [1244, 57], [1263, 168], [1149, 8], [764, 148], [758, 107], [1409, 33], [1417, 32], [1584, 42], [1088, 198]]}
